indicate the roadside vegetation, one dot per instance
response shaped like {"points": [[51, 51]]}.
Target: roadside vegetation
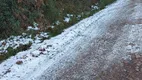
{"points": [[51, 16]]}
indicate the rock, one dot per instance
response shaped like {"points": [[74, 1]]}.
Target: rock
{"points": [[42, 49], [19, 62], [49, 46]]}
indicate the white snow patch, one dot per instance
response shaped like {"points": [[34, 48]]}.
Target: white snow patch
{"points": [[16, 41], [57, 22], [95, 7], [67, 19], [32, 28]]}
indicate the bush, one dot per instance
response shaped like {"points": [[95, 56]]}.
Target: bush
{"points": [[8, 22], [16, 15], [103, 3], [50, 11]]}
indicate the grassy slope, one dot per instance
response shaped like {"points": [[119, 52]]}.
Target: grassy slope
{"points": [[17, 16]]}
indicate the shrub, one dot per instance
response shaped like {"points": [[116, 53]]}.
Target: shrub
{"points": [[16, 15], [50, 11], [103, 3], [7, 20]]}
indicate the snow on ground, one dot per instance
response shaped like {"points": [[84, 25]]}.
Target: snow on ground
{"points": [[68, 18], [40, 52], [47, 50], [32, 28], [42, 55], [15, 41], [95, 7]]}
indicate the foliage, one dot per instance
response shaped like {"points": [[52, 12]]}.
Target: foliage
{"points": [[7, 20], [17, 15], [103, 3], [50, 11]]}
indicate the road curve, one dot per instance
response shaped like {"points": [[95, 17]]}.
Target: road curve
{"points": [[108, 42]]}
